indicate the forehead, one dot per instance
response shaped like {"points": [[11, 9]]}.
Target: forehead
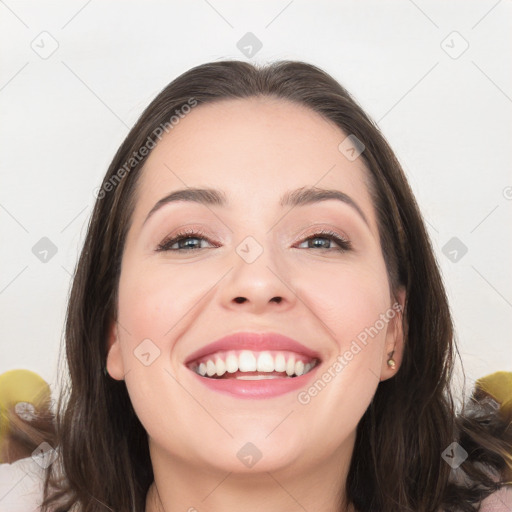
{"points": [[254, 149]]}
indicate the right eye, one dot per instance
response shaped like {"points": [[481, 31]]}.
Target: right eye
{"points": [[182, 241]]}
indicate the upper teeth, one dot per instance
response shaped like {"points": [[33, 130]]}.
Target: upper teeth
{"points": [[248, 361]]}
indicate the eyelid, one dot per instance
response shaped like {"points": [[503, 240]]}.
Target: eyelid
{"points": [[342, 241], [322, 228], [184, 232]]}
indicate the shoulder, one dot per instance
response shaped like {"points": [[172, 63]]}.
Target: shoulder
{"points": [[21, 485], [499, 501]]}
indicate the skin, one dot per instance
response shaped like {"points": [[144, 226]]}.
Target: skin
{"points": [[254, 150]]}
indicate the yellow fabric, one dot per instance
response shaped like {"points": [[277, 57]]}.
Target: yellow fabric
{"points": [[499, 386], [20, 386]]}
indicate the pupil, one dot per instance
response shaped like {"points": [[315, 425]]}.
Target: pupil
{"points": [[314, 240], [188, 242]]}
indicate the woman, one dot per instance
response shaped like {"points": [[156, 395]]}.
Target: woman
{"points": [[257, 319]]}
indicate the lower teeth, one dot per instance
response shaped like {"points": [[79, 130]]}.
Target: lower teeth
{"points": [[257, 377]]}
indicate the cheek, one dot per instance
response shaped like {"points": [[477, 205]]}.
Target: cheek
{"points": [[156, 305], [351, 302], [152, 308], [343, 389], [347, 299], [153, 299]]}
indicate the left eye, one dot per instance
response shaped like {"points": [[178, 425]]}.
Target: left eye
{"points": [[329, 237]]}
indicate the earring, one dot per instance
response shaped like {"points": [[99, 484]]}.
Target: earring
{"points": [[105, 371], [391, 361]]}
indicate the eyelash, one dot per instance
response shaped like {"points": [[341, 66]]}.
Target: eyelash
{"points": [[182, 235], [344, 244], [165, 245]]}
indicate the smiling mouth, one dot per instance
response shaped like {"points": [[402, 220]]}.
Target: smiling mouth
{"points": [[253, 365]]}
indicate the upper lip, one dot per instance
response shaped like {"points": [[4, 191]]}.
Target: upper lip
{"points": [[253, 341]]}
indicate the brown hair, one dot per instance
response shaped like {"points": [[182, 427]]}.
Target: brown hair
{"points": [[397, 463]]}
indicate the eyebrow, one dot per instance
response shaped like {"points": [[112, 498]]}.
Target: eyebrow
{"points": [[300, 197]]}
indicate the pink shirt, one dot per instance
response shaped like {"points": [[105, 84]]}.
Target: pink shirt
{"points": [[500, 501]]}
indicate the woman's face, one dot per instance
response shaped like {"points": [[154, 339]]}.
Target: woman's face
{"points": [[257, 267]]}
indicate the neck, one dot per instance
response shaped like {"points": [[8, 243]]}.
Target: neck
{"points": [[182, 486]]}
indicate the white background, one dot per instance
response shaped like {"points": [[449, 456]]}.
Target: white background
{"points": [[64, 116]]}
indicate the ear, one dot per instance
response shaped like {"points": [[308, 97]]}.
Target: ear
{"points": [[394, 344], [114, 363]]}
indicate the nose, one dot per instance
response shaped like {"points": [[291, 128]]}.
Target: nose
{"points": [[257, 287]]}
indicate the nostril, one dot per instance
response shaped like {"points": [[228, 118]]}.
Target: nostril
{"points": [[239, 300]]}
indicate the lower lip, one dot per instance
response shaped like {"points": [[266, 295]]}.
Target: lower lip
{"points": [[253, 389]]}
